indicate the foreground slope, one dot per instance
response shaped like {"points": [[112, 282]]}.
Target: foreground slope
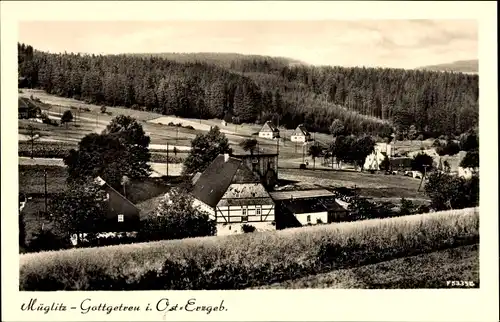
{"points": [[248, 260]]}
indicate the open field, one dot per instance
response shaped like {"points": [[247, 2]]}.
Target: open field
{"points": [[377, 185], [92, 120], [430, 270], [247, 260]]}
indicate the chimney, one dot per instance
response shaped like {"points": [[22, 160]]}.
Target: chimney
{"points": [[226, 157]]}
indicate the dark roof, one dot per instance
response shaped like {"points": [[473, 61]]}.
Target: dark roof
{"points": [[401, 162], [301, 130], [310, 205], [300, 206], [256, 155], [269, 127], [214, 181], [22, 104]]}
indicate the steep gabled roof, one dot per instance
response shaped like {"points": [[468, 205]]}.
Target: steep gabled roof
{"points": [[300, 131], [269, 127], [220, 174]]}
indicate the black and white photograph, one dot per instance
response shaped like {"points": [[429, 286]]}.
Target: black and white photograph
{"points": [[254, 155]]}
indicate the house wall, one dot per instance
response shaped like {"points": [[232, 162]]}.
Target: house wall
{"points": [[298, 138], [236, 228], [204, 207], [268, 135], [117, 205], [314, 216], [234, 214]]}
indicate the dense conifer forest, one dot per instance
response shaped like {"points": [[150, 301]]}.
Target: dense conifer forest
{"points": [[248, 89]]}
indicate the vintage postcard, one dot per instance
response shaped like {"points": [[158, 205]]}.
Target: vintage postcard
{"points": [[226, 161]]}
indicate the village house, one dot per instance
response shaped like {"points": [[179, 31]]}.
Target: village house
{"points": [[269, 131], [233, 196], [307, 207], [373, 160], [300, 134], [26, 109], [122, 214]]}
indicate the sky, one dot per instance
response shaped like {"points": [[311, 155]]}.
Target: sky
{"points": [[371, 43]]}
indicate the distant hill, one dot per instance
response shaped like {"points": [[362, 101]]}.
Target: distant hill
{"points": [[225, 60], [462, 66]]}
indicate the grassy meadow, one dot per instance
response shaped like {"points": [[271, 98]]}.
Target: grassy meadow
{"points": [[247, 260], [419, 271]]}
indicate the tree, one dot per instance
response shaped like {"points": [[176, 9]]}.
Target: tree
{"points": [[249, 145], [447, 167], [80, 209], [386, 163], [360, 149], [121, 149], [450, 148], [471, 160], [336, 128], [407, 207], [175, 150], [22, 231], [469, 141], [451, 192], [103, 109], [314, 152], [67, 117], [204, 149], [176, 218], [412, 132], [422, 162]]}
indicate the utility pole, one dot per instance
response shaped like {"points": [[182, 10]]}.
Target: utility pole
{"points": [[45, 186], [176, 135], [422, 180], [167, 159]]}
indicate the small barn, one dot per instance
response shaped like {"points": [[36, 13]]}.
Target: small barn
{"points": [[300, 134], [26, 109], [122, 214], [269, 131]]}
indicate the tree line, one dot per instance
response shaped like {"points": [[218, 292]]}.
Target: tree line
{"points": [[365, 100]]}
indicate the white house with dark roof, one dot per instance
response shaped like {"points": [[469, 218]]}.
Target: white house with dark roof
{"points": [[233, 196], [269, 131], [300, 134]]}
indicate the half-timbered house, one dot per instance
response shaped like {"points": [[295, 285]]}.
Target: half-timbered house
{"points": [[234, 196]]}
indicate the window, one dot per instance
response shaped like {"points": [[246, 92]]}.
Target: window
{"points": [[120, 218], [243, 211], [308, 218], [244, 218], [258, 210]]}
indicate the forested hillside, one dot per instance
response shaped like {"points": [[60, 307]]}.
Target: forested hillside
{"points": [[256, 89]]}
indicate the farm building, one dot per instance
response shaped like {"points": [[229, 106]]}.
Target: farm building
{"points": [[403, 163], [264, 165], [122, 214], [27, 109], [300, 134], [269, 131], [307, 207], [233, 196]]}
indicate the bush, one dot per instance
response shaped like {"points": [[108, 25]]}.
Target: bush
{"points": [[246, 260], [451, 148], [103, 109], [471, 160], [436, 143], [247, 228]]}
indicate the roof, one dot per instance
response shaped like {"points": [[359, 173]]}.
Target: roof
{"points": [[312, 205], [215, 180], [301, 131], [404, 162], [103, 184], [256, 155], [297, 194], [301, 206], [269, 127]]}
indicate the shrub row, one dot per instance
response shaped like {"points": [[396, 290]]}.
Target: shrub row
{"points": [[45, 149], [247, 260]]}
